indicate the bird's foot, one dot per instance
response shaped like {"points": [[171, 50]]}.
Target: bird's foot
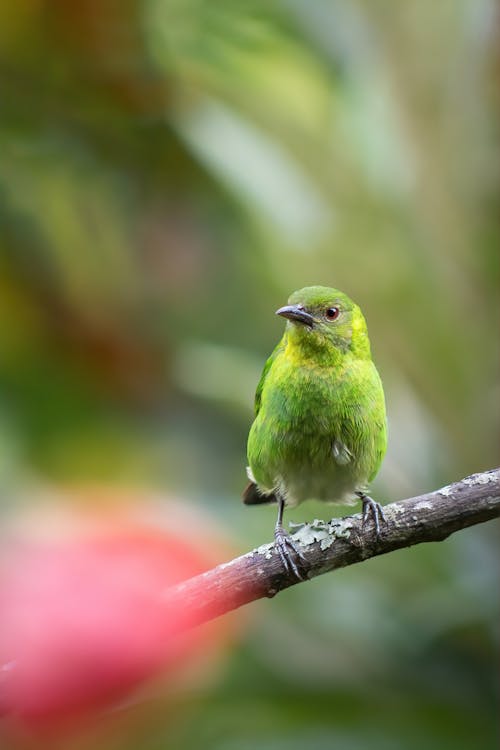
{"points": [[373, 509], [290, 554]]}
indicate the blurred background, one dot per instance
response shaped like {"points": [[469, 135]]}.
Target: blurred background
{"points": [[170, 171]]}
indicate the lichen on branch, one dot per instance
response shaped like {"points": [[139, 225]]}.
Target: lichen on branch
{"points": [[328, 545]]}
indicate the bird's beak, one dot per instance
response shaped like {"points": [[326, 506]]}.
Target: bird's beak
{"points": [[297, 313]]}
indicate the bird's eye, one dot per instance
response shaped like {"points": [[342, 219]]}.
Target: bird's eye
{"points": [[332, 313]]}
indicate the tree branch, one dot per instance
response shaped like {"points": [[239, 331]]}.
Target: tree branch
{"points": [[330, 545]]}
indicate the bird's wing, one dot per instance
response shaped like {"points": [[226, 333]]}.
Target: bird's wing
{"points": [[258, 393]]}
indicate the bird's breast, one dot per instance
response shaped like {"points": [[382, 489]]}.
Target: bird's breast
{"points": [[316, 432]]}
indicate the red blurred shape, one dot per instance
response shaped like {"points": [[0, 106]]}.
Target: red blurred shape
{"points": [[85, 620]]}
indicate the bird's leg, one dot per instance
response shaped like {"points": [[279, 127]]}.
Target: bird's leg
{"points": [[289, 552], [370, 507]]}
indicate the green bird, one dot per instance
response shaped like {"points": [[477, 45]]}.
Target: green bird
{"points": [[320, 428]]}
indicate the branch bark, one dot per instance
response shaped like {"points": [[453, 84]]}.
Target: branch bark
{"points": [[334, 544]]}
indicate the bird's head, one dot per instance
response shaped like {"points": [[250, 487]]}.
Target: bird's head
{"points": [[325, 319]]}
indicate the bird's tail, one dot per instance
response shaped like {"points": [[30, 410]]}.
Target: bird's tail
{"points": [[252, 496]]}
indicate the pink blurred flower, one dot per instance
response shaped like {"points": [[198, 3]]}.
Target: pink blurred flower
{"points": [[84, 616]]}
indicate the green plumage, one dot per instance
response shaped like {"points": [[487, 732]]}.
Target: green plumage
{"points": [[320, 423]]}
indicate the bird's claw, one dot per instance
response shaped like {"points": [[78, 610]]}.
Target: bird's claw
{"points": [[373, 509], [290, 554]]}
